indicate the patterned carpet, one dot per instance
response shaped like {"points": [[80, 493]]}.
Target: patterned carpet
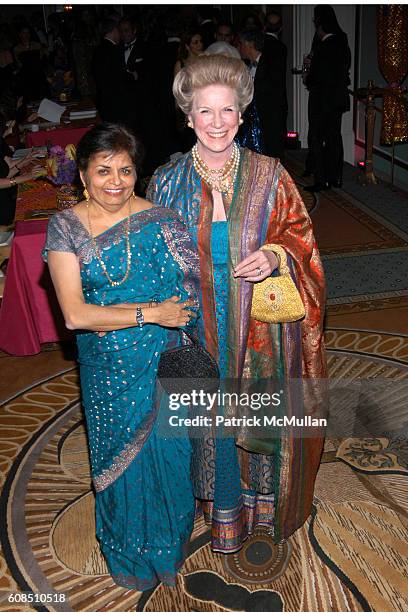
{"points": [[362, 236], [349, 555]]}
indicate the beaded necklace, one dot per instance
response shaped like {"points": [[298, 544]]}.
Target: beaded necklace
{"points": [[219, 179], [128, 250]]}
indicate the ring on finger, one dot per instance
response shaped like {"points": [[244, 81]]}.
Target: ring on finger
{"points": [[260, 271]]}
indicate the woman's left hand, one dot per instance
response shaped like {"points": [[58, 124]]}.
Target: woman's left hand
{"points": [[33, 174], [26, 160], [17, 164], [13, 172], [257, 266]]}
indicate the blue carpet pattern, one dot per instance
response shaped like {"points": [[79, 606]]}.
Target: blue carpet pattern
{"points": [[386, 202], [366, 276], [381, 274]]}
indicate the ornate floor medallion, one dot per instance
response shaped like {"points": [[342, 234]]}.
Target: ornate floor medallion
{"points": [[259, 560], [49, 545]]}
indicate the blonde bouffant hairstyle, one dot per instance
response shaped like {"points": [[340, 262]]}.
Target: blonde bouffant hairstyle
{"points": [[213, 70]]}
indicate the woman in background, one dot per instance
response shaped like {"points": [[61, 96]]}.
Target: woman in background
{"points": [[29, 57], [13, 172], [191, 45]]}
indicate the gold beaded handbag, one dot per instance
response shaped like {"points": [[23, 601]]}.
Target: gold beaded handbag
{"points": [[276, 299]]}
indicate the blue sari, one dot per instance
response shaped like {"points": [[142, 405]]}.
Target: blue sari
{"points": [[144, 499]]}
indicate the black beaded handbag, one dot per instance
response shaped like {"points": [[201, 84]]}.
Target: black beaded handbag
{"points": [[187, 367]]}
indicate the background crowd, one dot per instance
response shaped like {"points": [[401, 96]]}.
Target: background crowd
{"points": [[126, 64]]}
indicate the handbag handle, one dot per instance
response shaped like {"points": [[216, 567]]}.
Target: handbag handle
{"points": [[281, 255], [192, 339]]}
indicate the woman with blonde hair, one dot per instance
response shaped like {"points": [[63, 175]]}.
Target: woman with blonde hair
{"points": [[235, 203]]}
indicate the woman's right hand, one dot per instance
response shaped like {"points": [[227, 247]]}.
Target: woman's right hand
{"points": [[170, 313]]}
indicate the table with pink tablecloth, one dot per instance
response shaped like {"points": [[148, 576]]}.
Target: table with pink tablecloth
{"points": [[29, 314], [59, 136]]}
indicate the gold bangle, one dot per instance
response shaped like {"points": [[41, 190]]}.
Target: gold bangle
{"points": [[276, 250]]}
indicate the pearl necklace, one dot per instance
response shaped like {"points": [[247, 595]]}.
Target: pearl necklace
{"points": [[219, 179], [128, 250]]}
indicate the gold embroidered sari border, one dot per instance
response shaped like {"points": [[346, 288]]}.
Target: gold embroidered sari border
{"points": [[126, 456]]}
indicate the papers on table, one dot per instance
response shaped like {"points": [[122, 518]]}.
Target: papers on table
{"points": [[6, 238], [37, 152], [50, 110], [42, 125], [83, 114]]}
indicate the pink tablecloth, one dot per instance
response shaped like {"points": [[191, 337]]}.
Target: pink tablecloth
{"points": [[59, 136], [30, 314]]}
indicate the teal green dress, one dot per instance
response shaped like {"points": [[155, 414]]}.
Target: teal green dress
{"points": [[219, 250], [144, 500], [227, 486]]}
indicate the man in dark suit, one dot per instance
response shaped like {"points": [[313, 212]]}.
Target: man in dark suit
{"points": [[273, 46], [162, 109], [328, 80], [113, 99], [133, 49], [207, 25], [225, 33], [136, 62], [268, 68]]}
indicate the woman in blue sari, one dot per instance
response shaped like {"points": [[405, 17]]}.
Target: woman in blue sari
{"points": [[125, 274]]}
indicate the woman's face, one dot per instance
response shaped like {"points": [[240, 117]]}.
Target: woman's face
{"points": [[110, 179], [215, 117], [196, 45]]}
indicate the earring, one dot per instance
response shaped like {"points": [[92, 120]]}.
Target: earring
{"points": [[190, 125], [86, 194], [241, 121]]}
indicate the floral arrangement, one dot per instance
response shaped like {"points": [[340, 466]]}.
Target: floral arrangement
{"points": [[61, 166]]}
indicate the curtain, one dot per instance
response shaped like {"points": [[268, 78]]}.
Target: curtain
{"points": [[392, 42]]}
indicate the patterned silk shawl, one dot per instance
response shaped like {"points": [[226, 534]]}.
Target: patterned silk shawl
{"points": [[266, 208]]}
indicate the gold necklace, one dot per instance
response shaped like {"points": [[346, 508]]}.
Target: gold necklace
{"points": [[128, 250], [219, 179]]}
